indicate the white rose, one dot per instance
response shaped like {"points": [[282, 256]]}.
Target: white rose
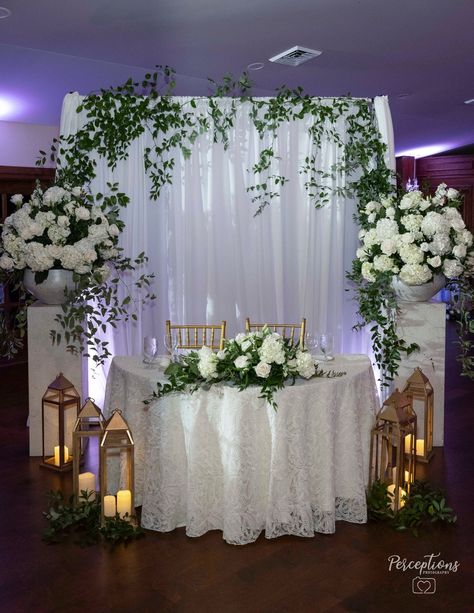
{"points": [[221, 354], [458, 224], [82, 213], [435, 262], [113, 230], [361, 234], [388, 246], [76, 191], [452, 194], [390, 212], [241, 362], [246, 345], [371, 218], [16, 199], [460, 251], [262, 370], [362, 254], [240, 338]]}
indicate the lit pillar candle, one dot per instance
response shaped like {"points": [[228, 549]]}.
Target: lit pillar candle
{"points": [[401, 494], [56, 455], [109, 506], [124, 502], [87, 483]]}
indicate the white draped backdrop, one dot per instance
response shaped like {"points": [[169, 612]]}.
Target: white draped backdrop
{"points": [[213, 259]]}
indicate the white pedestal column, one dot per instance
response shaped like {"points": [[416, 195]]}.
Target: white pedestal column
{"points": [[45, 362], [425, 323]]}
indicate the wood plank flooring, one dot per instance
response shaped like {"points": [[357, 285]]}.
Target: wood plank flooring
{"points": [[346, 571]]}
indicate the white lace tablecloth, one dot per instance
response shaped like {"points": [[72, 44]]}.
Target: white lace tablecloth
{"points": [[225, 460]]}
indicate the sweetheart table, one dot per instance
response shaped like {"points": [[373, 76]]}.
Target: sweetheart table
{"points": [[220, 459]]}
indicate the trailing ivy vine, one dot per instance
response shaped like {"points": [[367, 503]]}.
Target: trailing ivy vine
{"points": [[118, 115]]}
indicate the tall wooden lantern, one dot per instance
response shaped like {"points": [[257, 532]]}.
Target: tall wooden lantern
{"points": [[60, 407], [390, 461], [420, 390], [117, 447], [88, 428]]}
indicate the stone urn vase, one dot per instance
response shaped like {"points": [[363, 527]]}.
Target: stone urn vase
{"points": [[52, 289], [418, 293]]}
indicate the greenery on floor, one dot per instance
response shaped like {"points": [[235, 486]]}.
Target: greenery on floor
{"points": [[423, 505], [81, 522]]}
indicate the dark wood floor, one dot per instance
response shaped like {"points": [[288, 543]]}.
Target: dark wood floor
{"points": [[347, 571]]}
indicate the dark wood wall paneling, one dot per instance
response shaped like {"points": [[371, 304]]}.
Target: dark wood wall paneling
{"points": [[455, 170], [17, 180]]}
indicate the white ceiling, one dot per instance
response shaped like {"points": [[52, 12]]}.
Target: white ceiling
{"points": [[418, 52]]}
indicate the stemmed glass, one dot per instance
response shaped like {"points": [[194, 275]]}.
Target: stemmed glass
{"points": [[311, 343], [150, 349], [171, 344], [326, 346]]}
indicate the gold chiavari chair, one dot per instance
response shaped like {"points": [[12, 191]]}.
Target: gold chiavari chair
{"points": [[286, 330], [195, 336]]}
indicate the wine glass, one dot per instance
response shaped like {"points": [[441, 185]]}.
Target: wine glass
{"points": [[311, 343], [150, 349], [326, 346], [171, 344]]}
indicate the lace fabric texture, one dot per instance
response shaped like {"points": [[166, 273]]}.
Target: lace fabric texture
{"points": [[225, 460]]}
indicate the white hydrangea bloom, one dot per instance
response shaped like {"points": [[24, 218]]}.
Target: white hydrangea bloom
{"points": [[368, 272], [411, 254], [37, 257], [305, 364], [371, 238], [6, 262], [411, 200], [415, 274], [433, 223], [464, 237], [441, 244], [383, 263], [386, 228], [412, 222]]}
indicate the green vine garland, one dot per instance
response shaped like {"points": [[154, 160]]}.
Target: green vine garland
{"points": [[118, 115]]}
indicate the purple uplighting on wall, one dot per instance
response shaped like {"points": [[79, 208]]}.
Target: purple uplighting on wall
{"points": [[425, 151], [9, 108]]}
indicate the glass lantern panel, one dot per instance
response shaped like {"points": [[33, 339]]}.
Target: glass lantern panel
{"points": [[117, 470]]}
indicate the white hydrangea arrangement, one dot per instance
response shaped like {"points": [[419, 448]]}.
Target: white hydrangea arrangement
{"points": [[415, 237], [262, 358], [68, 228], [61, 228]]}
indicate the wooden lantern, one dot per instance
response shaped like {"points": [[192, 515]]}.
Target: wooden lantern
{"points": [[59, 410], [117, 446], [390, 461], [88, 428], [420, 390]]}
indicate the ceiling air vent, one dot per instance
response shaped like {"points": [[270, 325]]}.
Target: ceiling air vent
{"points": [[295, 56]]}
